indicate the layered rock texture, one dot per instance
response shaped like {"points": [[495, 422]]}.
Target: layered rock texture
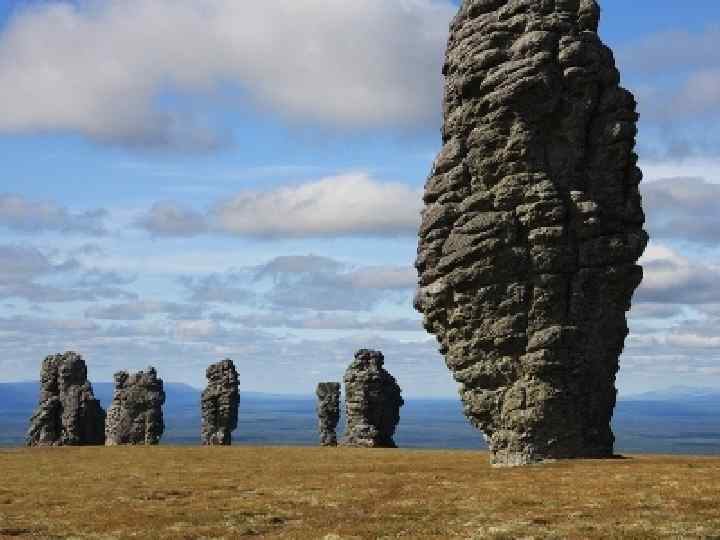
{"points": [[533, 226], [219, 403], [372, 401], [135, 415], [328, 411], [68, 413]]}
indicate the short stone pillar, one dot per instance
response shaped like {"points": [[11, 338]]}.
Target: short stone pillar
{"points": [[373, 401], [328, 411]]}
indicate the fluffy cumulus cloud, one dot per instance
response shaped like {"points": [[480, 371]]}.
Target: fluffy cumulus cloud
{"points": [[105, 69], [21, 214], [346, 205]]}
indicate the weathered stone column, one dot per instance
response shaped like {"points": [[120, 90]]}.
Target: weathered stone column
{"points": [[135, 415], [220, 402], [68, 413], [532, 226], [372, 400], [328, 410]]}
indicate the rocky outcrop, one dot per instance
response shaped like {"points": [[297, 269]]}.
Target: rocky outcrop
{"points": [[372, 401], [328, 411], [220, 402], [68, 413], [135, 415], [532, 226]]}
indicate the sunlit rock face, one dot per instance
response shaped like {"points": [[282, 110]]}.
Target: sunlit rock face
{"points": [[328, 410], [219, 403], [135, 415], [67, 413], [532, 227], [372, 402]]}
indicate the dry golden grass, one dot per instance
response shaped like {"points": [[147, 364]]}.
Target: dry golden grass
{"points": [[175, 492]]}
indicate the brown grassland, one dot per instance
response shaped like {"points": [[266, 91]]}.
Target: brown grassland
{"points": [[233, 492]]}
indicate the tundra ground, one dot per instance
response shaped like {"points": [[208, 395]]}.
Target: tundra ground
{"points": [[232, 492]]}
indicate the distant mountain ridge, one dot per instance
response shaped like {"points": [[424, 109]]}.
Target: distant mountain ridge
{"points": [[676, 420], [677, 393], [21, 395]]}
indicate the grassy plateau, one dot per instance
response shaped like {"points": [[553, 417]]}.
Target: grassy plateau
{"points": [[333, 494]]}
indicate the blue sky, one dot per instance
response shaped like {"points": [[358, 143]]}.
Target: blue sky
{"points": [[192, 179]]}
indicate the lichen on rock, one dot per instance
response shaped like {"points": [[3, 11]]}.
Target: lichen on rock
{"points": [[220, 402], [135, 416], [68, 414], [372, 400], [533, 226], [328, 411]]}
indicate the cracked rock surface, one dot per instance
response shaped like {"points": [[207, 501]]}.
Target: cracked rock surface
{"points": [[135, 415], [533, 226], [328, 410], [67, 413], [220, 402], [372, 401]]}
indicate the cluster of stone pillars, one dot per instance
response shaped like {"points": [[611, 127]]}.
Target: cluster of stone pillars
{"points": [[372, 404], [69, 414]]}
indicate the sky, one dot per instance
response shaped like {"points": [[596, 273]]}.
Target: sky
{"points": [[188, 180]]}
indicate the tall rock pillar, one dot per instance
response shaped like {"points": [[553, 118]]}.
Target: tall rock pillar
{"points": [[135, 415], [68, 413], [533, 226], [220, 402]]}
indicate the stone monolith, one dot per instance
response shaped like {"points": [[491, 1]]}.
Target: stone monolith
{"points": [[533, 226], [328, 411], [135, 415], [372, 402], [68, 414], [219, 403]]}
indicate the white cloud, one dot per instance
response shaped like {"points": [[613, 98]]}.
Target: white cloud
{"points": [[671, 278], [98, 68], [345, 205], [28, 273], [169, 219], [305, 282], [321, 321], [139, 310], [693, 341], [21, 264], [351, 204], [693, 59], [21, 214], [684, 209], [699, 96], [384, 277], [706, 167], [228, 288], [642, 310], [676, 49], [198, 330]]}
